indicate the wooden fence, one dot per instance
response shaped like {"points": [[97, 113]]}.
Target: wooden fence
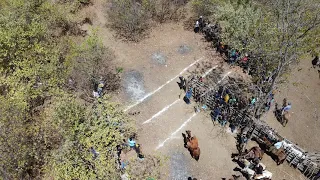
{"points": [[307, 163]]}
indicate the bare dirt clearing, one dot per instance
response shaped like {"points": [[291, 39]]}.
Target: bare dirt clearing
{"points": [[143, 74], [302, 90]]}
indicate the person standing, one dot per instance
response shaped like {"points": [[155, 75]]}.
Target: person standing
{"points": [[182, 85], [132, 143], [196, 27]]}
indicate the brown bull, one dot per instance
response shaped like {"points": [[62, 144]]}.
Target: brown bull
{"points": [[193, 145]]}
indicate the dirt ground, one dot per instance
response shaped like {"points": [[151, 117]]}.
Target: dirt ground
{"points": [[302, 90], [155, 62]]}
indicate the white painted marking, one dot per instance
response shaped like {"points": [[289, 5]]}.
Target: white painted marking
{"points": [[162, 111], [167, 107], [151, 93], [227, 74], [207, 72], [174, 133]]}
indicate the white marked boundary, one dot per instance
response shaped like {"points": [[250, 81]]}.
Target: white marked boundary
{"points": [[162, 111], [227, 74], [151, 93], [207, 72], [168, 106], [174, 133], [185, 123]]}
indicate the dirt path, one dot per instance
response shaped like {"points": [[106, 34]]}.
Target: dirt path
{"points": [[153, 63]]}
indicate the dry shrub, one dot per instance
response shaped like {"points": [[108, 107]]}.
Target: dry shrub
{"points": [[132, 18], [166, 10], [91, 63], [129, 18], [149, 167]]}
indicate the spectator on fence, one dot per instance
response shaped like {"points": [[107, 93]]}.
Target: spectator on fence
{"points": [[224, 120], [215, 113], [188, 96], [234, 54], [253, 102], [217, 95], [226, 98], [232, 100]]}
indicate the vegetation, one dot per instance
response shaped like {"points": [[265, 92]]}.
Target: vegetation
{"points": [[275, 34], [132, 19], [46, 128]]}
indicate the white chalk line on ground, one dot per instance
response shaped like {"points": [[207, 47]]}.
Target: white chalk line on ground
{"points": [[175, 132], [161, 111], [207, 72], [151, 93], [188, 120], [168, 106]]}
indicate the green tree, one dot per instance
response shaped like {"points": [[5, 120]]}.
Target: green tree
{"points": [[102, 127]]}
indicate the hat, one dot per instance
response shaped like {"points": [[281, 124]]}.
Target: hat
{"points": [[200, 16]]}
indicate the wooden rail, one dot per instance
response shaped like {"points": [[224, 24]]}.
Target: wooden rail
{"points": [[307, 163]]}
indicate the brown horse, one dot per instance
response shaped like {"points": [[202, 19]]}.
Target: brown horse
{"points": [[280, 155], [193, 146], [285, 118], [254, 152]]}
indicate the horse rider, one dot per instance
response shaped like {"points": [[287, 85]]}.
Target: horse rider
{"points": [[286, 108]]}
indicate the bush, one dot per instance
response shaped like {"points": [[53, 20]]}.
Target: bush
{"points": [[92, 63], [129, 18], [165, 10], [132, 18], [203, 7]]}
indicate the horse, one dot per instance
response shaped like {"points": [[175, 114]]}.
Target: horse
{"points": [[192, 144], [280, 155], [254, 153], [285, 118]]}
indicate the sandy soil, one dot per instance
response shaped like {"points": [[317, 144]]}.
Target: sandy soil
{"points": [[143, 74], [302, 90]]}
